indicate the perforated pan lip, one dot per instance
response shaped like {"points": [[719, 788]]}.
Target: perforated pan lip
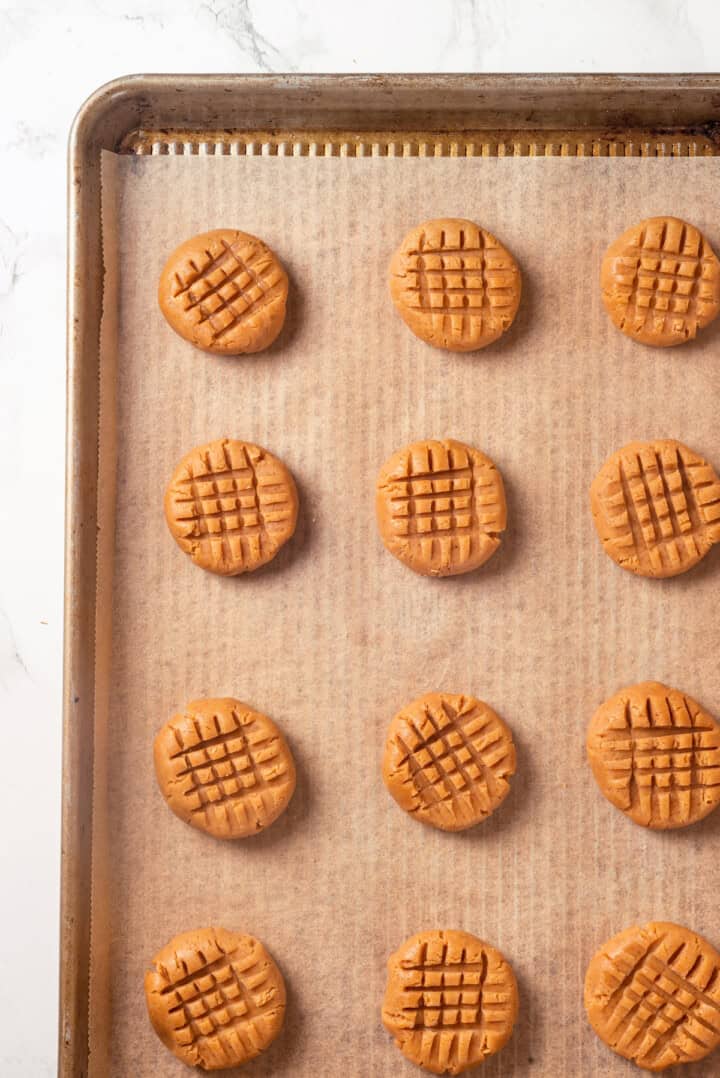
{"points": [[288, 115]]}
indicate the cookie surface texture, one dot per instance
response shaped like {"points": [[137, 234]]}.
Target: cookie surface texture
{"points": [[455, 285], [448, 760], [655, 753], [224, 768], [225, 292], [656, 507], [215, 998], [440, 507], [230, 506], [451, 1000], [652, 994], [661, 282]]}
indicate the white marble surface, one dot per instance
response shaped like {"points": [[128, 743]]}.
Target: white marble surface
{"points": [[52, 55]]}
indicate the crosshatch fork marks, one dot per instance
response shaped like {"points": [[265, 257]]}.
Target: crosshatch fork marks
{"points": [[234, 996], [206, 969], [651, 994], [451, 269], [448, 760], [451, 1000], [224, 767], [231, 505], [250, 777], [656, 755], [241, 292], [224, 976], [452, 994], [441, 507], [446, 726], [427, 790], [661, 281], [615, 998], [238, 269], [656, 1001], [657, 524], [235, 519], [467, 979], [686, 983], [455, 285], [448, 729], [656, 507], [229, 254]]}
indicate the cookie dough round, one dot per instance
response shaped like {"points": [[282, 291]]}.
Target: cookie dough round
{"points": [[656, 507], [652, 994], [448, 760], [454, 284], [231, 505], [661, 282], [225, 292], [440, 507], [656, 755], [224, 768], [451, 1000], [215, 998]]}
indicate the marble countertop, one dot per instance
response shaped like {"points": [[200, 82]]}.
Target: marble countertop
{"points": [[51, 57]]}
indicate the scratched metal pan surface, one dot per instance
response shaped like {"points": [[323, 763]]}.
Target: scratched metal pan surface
{"points": [[289, 115]]}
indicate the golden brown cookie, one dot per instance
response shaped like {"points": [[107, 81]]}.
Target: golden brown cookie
{"points": [[661, 282], [215, 998], [448, 760], [231, 505], [652, 994], [451, 1000], [224, 768], [656, 755], [455, 285], [440, 507], [656, 507], [225, 292]]}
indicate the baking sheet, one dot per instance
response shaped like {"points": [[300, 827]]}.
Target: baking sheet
{"points": [[336, 635]]}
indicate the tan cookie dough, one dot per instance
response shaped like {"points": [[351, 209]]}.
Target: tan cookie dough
{"points": [[224, 768], [231, 505], [440, 507], [448, 760], [454, 284], [656, 507], [225, 292], [215, 998], [656, 755], [451, 1000], [652, 994], [661, 282]]}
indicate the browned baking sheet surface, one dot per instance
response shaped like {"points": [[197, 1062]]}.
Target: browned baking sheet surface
{"points": [[336, 635]]}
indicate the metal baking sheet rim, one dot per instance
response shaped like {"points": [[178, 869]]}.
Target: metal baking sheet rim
{"points": [[268, 113]]}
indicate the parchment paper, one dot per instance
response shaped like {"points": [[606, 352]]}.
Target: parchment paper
{"points": [[336, 635]]}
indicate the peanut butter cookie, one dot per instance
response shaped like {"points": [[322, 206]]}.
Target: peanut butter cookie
{"points": [[656, 755], [661, 282], [231, 505], [440, 507], [225, 292], [448, 760], [455, 285], [652, 994], [656, 507], [451, 1000], [224, 768], [215, 998]]}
